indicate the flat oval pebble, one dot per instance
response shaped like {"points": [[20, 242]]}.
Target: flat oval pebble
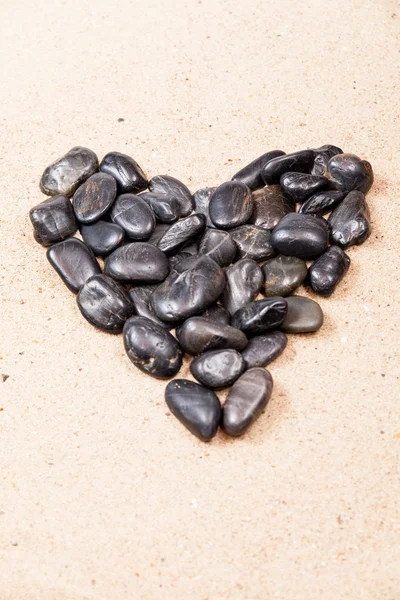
{"points": [[301, 162], [182, 232], [166, 208], [250, 175], [303, 315], [326, 272], [134, 216], [350, 221], [246, 401], [322, 157], [270, 206], [140, 296], [94, 198], [102, 237], [66, 174], [219, 246], [304, 236], [138, 263], [165, 184], [283, 275], [104, 303], [252, 242], [217, 368], [192, 286], [217, 313], [231, 205], [198, 335], [195, 406], [53, 220], [152, 348], [348, 172], [263, 349], [202, 202], [244, 280], [322, 202], [300, 186], [260, 316], [128, 174], [74, 262]]}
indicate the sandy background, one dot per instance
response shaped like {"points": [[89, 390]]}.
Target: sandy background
{"points": [[102, 494]]}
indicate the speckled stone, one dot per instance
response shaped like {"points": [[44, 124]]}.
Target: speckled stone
{"points": [[102, 237], [252, 242], [244, 280], [304, 236], [326, 272], [66, 174], [217, 368], [217, 313], [74, 262], [202, 203], [167, 209], [219, 246], [53, 220], [198, 335], [137, 263], [134, 215], [303, 315], [260, 316], [322, 202], [348, 172], [231, 205], [283, 275], [270, 206], [300, 186], [104, 303], [322, 157], [181, 233], [128, 174], [301, 162], [250, 175], [140, 296], [350, 221], [94, 198], [263, 349], [165, 184]]}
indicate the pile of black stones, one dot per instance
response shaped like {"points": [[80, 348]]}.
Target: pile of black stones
{"points": [[218, 267]]}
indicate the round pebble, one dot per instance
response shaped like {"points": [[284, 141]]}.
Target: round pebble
{"points": [[300, 186], [134, 216], [66, 174], [304, 236], [165, 208], [165, 184], [94, 197], [219, 246], [217, 368], [348, 172], [104, 303], [303, 315], [53, 220], [283, 275], [231, 205], [102, 237], [198, 335], [252, 242], [137, 263], [128, 174]]}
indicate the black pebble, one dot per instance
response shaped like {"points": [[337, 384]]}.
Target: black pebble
{"points": [[158, 232], [166, 208], [216, 313], [244, 280], [231, 205], [202, 202], [141, 298], [326, 272], [348, 172], [260, 316], [283, 275], [252, 242], [53, 220], [304, 236], [137, 263], [301, 162], [219, 246], [129, 176], [165, 184], [250, 175], [217, 368], [350, 221], [94, 197], [74, 262], [270, 206], [303, 315], [322, 202], [322, 157], [181, 233], [198, 335], [134, 215], [104, 303], [67, 173], [300, 186], [263, 349], [102, 237]]}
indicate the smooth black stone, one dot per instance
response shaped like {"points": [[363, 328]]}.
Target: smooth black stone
{"points": [[216, 313], [270, 206], [260, 316], [244, 280], [202, 202], [134, 216], [304, 236], [246, 401], [322, 202], [283, 275], [347, 172], [250, 175], [195, 406], [158, 232], [165, 184], [198, 335], [129, 176], [322, 157], [53, 220], [350, 221], [300, 186], [182, 232], [192, 286], [74, 262], [303, 315], [102, 237], [67, 173], [328, 270], [104, 303], [252, 242], [94, 198], [263, 349], [301, 162], [138, 263], [219, 246], [217, 368], [141, 298], [152, 348], [166, 208], [231, 205]]}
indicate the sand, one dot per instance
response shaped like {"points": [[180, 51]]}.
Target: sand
{"points": [[103, 494]]}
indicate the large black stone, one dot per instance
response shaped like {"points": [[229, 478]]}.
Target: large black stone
{"points": [[165, 184], [66, 174], [231, 205], [134, 215], [166, 208], [217, 368], [322, 202], [252, 242], [304, 236], [181, 233], [219, 246], [138, 263], [270, 206], [350, 221], [283, 275], [250, 175], [303, 315], [102, 237], [74, 262], [263, 349], [260, 316], [53, 220], [104, 303], [322, 157], [94, 198], [301, 162], [129, 176], [198, 335], [326, 272], [300, 186], [244, 280], [348, 172]]}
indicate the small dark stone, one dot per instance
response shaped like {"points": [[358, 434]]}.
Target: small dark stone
{"points": [[129, 176], [181, 233], [328, 270], [158, 232], [300, 186], [53, 220], [192, 286], [283, 275], [202, 201], [303, 315], [270, 206], [165, 184], [104, 303], [231, 205], [216, 313], [301, 162], [219, 246], [152, 348], [94, 198], [263, 349], [244, 280], [74, 262], [250, 175], [217, 368], [198, 335], [322, 203], [246, 401], [195, 406], [260, 316], [166, 208], [102, 237], [347, 172], [350, 221], [134, 216], [67, 173], [322, 157], [141, 298], [252, 242], [304, 236], [138, 263]]}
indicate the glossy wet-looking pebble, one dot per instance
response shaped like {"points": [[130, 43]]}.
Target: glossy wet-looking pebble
{"points": [[102, 237], [252, 242], [251, 174], [217, 368], [94, 198], [326, 272], [350, 222], [218, 245], [53, 220], [104, 303], [231, 205], [304, 236], [270, 205], [138, 262], [200, 334], [66, 174], [165, 184], [244, 280], [128, 174], [134, 215], [260, 316], [283, 275], [74, 262]]}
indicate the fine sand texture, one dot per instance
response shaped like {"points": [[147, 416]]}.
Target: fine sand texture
{"points": [[103, 494]]}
